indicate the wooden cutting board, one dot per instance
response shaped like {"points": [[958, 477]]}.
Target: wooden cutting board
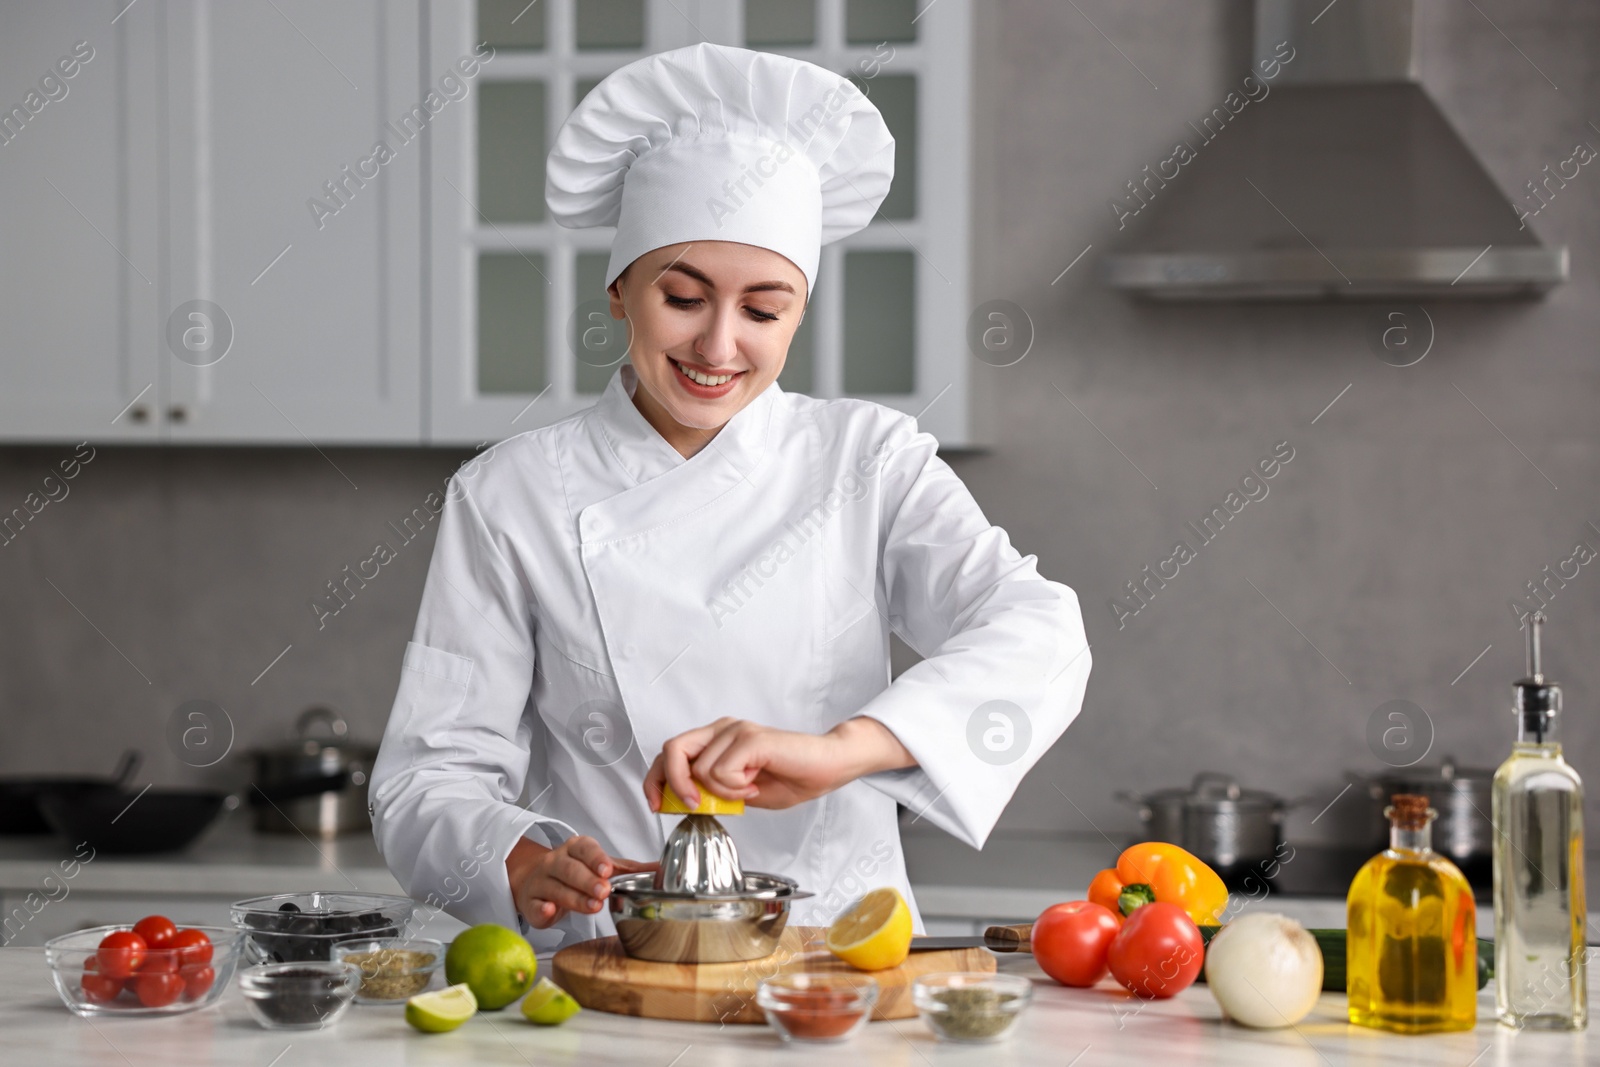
{"points": [[600, 976]]}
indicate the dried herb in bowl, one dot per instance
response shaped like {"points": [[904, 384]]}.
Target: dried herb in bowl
{"points": [[973, 1012], [392, 973]]}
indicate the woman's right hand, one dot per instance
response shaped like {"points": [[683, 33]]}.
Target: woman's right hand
{"points": [[547, 883]]}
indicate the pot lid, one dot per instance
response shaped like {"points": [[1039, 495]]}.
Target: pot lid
{"points": [[307, 744], [1446, 773], [1216, 792]]}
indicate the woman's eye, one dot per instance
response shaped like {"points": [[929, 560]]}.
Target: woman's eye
{"points": [[682, 301], [764, 316]]}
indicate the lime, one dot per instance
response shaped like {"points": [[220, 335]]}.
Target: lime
{"points": [[441, 1011], [549, 1004], [497, 964]]}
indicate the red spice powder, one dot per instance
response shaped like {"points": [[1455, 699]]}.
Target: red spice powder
{"points": [[818, 1013]]}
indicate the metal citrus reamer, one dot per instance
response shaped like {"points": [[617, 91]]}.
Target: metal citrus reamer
{"points": [[699, 856]]}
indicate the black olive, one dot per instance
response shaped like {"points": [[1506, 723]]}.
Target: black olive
{"points": [[288, 905]]}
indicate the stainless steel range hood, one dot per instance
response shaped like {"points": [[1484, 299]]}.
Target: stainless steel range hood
{"points": [[1344, 181]]}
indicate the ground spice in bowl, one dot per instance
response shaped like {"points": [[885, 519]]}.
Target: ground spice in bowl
{"points": [[817, 1007]]}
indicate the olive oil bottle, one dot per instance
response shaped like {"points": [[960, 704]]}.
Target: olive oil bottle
{"points": [[1412, 939], [1539, 912]]}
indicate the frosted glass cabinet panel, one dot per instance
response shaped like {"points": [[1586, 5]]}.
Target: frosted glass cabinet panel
{"points": [[511, 151]]}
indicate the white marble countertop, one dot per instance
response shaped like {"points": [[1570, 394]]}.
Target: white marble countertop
{"points": [[1083, 1028]]}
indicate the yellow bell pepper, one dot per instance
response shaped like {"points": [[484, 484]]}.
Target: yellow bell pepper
{"points": [[1155, 871]]}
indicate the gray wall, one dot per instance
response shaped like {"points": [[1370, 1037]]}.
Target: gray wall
{"points": [[1393, 540]]}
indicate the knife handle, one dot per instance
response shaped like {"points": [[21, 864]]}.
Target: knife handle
{"points": [[1009, 938]]}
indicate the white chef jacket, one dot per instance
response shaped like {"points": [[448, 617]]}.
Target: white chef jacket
{"points": [[593, 594]]}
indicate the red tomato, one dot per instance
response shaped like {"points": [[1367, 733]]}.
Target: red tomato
{"points": [[97, 988], [1158, 953], [197, 981], [157, 930], [193, 946], [157, 989], [120, 954], [1070, 942], [160, 960]]}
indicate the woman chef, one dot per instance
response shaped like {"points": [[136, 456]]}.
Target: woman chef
{"points": [[694, 581]]}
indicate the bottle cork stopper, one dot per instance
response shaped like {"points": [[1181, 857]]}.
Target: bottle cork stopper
{"points": [[1409, 811]]}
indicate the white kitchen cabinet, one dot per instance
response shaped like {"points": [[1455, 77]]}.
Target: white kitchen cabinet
{"points": [[287, 216], [184, 162], [79, 167]]}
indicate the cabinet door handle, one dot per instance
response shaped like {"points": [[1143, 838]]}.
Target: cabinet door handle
{"points": [[139, 413], [178, 413]]}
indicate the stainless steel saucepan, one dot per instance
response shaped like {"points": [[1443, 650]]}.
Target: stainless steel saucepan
{"points": [[1231, 828]]}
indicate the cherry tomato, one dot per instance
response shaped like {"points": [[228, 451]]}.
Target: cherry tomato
{"points": [[1070, 942], [157, 989], [193, 946], [97, 988], [157, 930], [120, 954], [197, 981], [1158, 953], [161, 961]]}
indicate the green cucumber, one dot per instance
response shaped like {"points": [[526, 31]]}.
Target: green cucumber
{"points": [[1332, 944]]}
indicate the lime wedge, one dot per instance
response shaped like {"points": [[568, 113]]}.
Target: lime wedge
{"points": [[549, 1004], [441, 1011]]}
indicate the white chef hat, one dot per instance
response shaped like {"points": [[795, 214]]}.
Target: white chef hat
{"points": [[711, 143]]}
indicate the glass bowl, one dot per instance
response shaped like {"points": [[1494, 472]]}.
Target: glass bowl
{"points": [[393, 969], [820, 1007], [172, 981], [308, 995], [304, 927], [971, 1006]]}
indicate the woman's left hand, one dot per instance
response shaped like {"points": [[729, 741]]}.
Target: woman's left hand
{"points": [[771, 768]]}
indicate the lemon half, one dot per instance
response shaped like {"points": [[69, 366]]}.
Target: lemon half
{"points": [[875, 934], [441, 1011], [710, 804]]}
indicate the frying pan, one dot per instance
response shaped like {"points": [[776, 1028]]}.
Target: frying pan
{"points": [[117, 820], [19, 794]]}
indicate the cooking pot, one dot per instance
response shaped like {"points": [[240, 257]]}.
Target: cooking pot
{"points": [[1464, 830], [1234, 830], [315, 786]]}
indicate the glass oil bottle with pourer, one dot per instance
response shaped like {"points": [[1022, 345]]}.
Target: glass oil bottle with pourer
{"points": [[1539, 908], [1412, 942]]}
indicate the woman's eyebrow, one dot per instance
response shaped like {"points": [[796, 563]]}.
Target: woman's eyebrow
{"points": [[700, 276]]}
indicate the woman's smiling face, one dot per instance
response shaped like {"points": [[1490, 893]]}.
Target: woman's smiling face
{"points": [[709, 329]]}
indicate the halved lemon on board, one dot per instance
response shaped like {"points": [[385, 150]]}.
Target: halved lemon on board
{"points": [[710, 804], [443, 1010], [875, 934]]}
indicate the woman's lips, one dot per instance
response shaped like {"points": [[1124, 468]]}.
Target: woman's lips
{"points": [[704, 392]]}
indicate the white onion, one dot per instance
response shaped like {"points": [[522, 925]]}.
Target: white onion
{"points": [[1265, 970]]}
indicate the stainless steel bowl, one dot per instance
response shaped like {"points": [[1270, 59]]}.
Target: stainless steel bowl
{"points": [[655, 924]]}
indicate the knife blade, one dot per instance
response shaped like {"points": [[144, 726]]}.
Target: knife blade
{"points": [[995, 939]]}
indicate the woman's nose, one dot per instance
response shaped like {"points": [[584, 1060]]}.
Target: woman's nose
{"points": [[718, 345]]}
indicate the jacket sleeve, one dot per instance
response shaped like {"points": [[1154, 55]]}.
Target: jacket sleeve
{"points": [[456, 751], [1005, 658]]}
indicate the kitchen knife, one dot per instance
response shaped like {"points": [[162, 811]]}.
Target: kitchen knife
{"points": [[995, 939]]}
